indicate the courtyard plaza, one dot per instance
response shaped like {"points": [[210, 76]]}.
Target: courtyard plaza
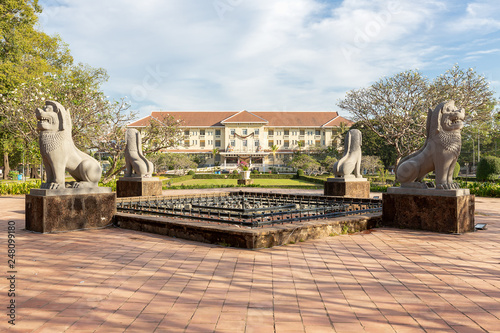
{"points": [[381, 280]]}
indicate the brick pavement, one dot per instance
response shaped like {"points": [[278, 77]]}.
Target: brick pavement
{"points": [[389, 280]]}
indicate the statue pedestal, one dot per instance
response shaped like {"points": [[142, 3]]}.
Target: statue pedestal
{"points": [[245, 181], [347, 187], [138, 187], [445, 211], [69, 209]]}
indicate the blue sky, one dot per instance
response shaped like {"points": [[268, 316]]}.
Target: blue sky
{"points": [[270, 55]]}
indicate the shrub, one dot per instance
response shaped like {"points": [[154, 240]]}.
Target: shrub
{"points": [[191, 173], [456, 171], [300, 173], [488, 168], [235, 172], [255, 172]]}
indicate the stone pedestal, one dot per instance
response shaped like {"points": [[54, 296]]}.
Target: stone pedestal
{"points": [[138, 187], [347, 187], [245, 181], [445, 211], [69, 209]]}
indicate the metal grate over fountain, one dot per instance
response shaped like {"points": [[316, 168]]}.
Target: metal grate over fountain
{"points": [[249, 209]]}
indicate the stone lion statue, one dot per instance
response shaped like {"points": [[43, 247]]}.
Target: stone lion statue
{"points": [[135, 162], [59, 153], [440, 151], [351, 161]]}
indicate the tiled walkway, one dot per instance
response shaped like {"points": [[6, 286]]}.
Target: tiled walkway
{"points": [[389, 280]]}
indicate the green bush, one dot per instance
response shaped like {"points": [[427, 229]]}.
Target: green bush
{"points": [[18, 187], [488, 168], [13, 174], [255, 172], [482, 189], [235, 172], [191, 173], [313, 179], [456, 171], [300, 173], [274, 176], [214, 176]]}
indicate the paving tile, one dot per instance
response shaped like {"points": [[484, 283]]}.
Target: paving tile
{"points": [[114, 280]]}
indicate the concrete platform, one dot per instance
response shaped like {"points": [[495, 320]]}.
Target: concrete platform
{"points": [[347, 187], [138, 186], [383, 280]]}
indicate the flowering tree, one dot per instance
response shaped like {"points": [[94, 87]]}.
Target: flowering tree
{"points": [[395, 108]]}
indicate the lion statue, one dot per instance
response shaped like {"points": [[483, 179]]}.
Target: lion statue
{"points": [[440, 151], [351, 161], [135, 162], [59, 153]]}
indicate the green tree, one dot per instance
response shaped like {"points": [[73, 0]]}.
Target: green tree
{"points": [[306, 163], [274, 149], [26, 54], [374, 145]]}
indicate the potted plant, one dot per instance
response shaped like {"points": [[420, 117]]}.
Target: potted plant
{"points": [[245, 172]]}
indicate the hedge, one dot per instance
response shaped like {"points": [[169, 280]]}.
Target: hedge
{"points": [[313, 179], [238, 176], [488, 168]]}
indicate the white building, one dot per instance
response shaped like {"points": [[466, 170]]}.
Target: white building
{"points": [[251, 136]]}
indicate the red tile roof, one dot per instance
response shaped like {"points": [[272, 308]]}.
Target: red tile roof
{"points": [[244, 117], [270, 118]]}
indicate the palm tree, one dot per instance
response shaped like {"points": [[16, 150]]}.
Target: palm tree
{"points": [[215, 152], [300, 144], [274, 149]]}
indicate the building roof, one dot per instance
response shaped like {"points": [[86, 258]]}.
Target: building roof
{"points": [[270, 118], [244, 117]]}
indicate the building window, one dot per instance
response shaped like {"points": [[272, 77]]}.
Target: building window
{"points": [[217, 133], [270, 143], [195, 142], [256, 143], [270, 132], [210, 142], [318, 132], [217, 143], [186, 143], [317, 143], [287, 144], [294, 133], [232, 131], [186, 132], [194, 133], [232, 143], [256, 132], [244, 131], [202, 143], [287, 132], [210, 133], [202, 132], [302, 132], [245, 143]]}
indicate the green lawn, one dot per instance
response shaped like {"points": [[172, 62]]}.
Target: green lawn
{"points": [[262, 182]]}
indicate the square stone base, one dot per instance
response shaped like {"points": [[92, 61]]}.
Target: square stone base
{"points": [[138, 187], [245, 181], [445, 214], [50, 213], [347, 188]]}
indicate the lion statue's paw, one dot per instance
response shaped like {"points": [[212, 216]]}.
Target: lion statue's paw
{"points": [[50, 186]]}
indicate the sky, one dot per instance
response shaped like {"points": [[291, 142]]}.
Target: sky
{"points": [[270, 55]]}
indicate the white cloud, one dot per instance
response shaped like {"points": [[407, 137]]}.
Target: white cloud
{"points": [[241, 54]]}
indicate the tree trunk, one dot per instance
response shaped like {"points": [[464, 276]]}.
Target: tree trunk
{"points": [[34, 171], [6, 168]]}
